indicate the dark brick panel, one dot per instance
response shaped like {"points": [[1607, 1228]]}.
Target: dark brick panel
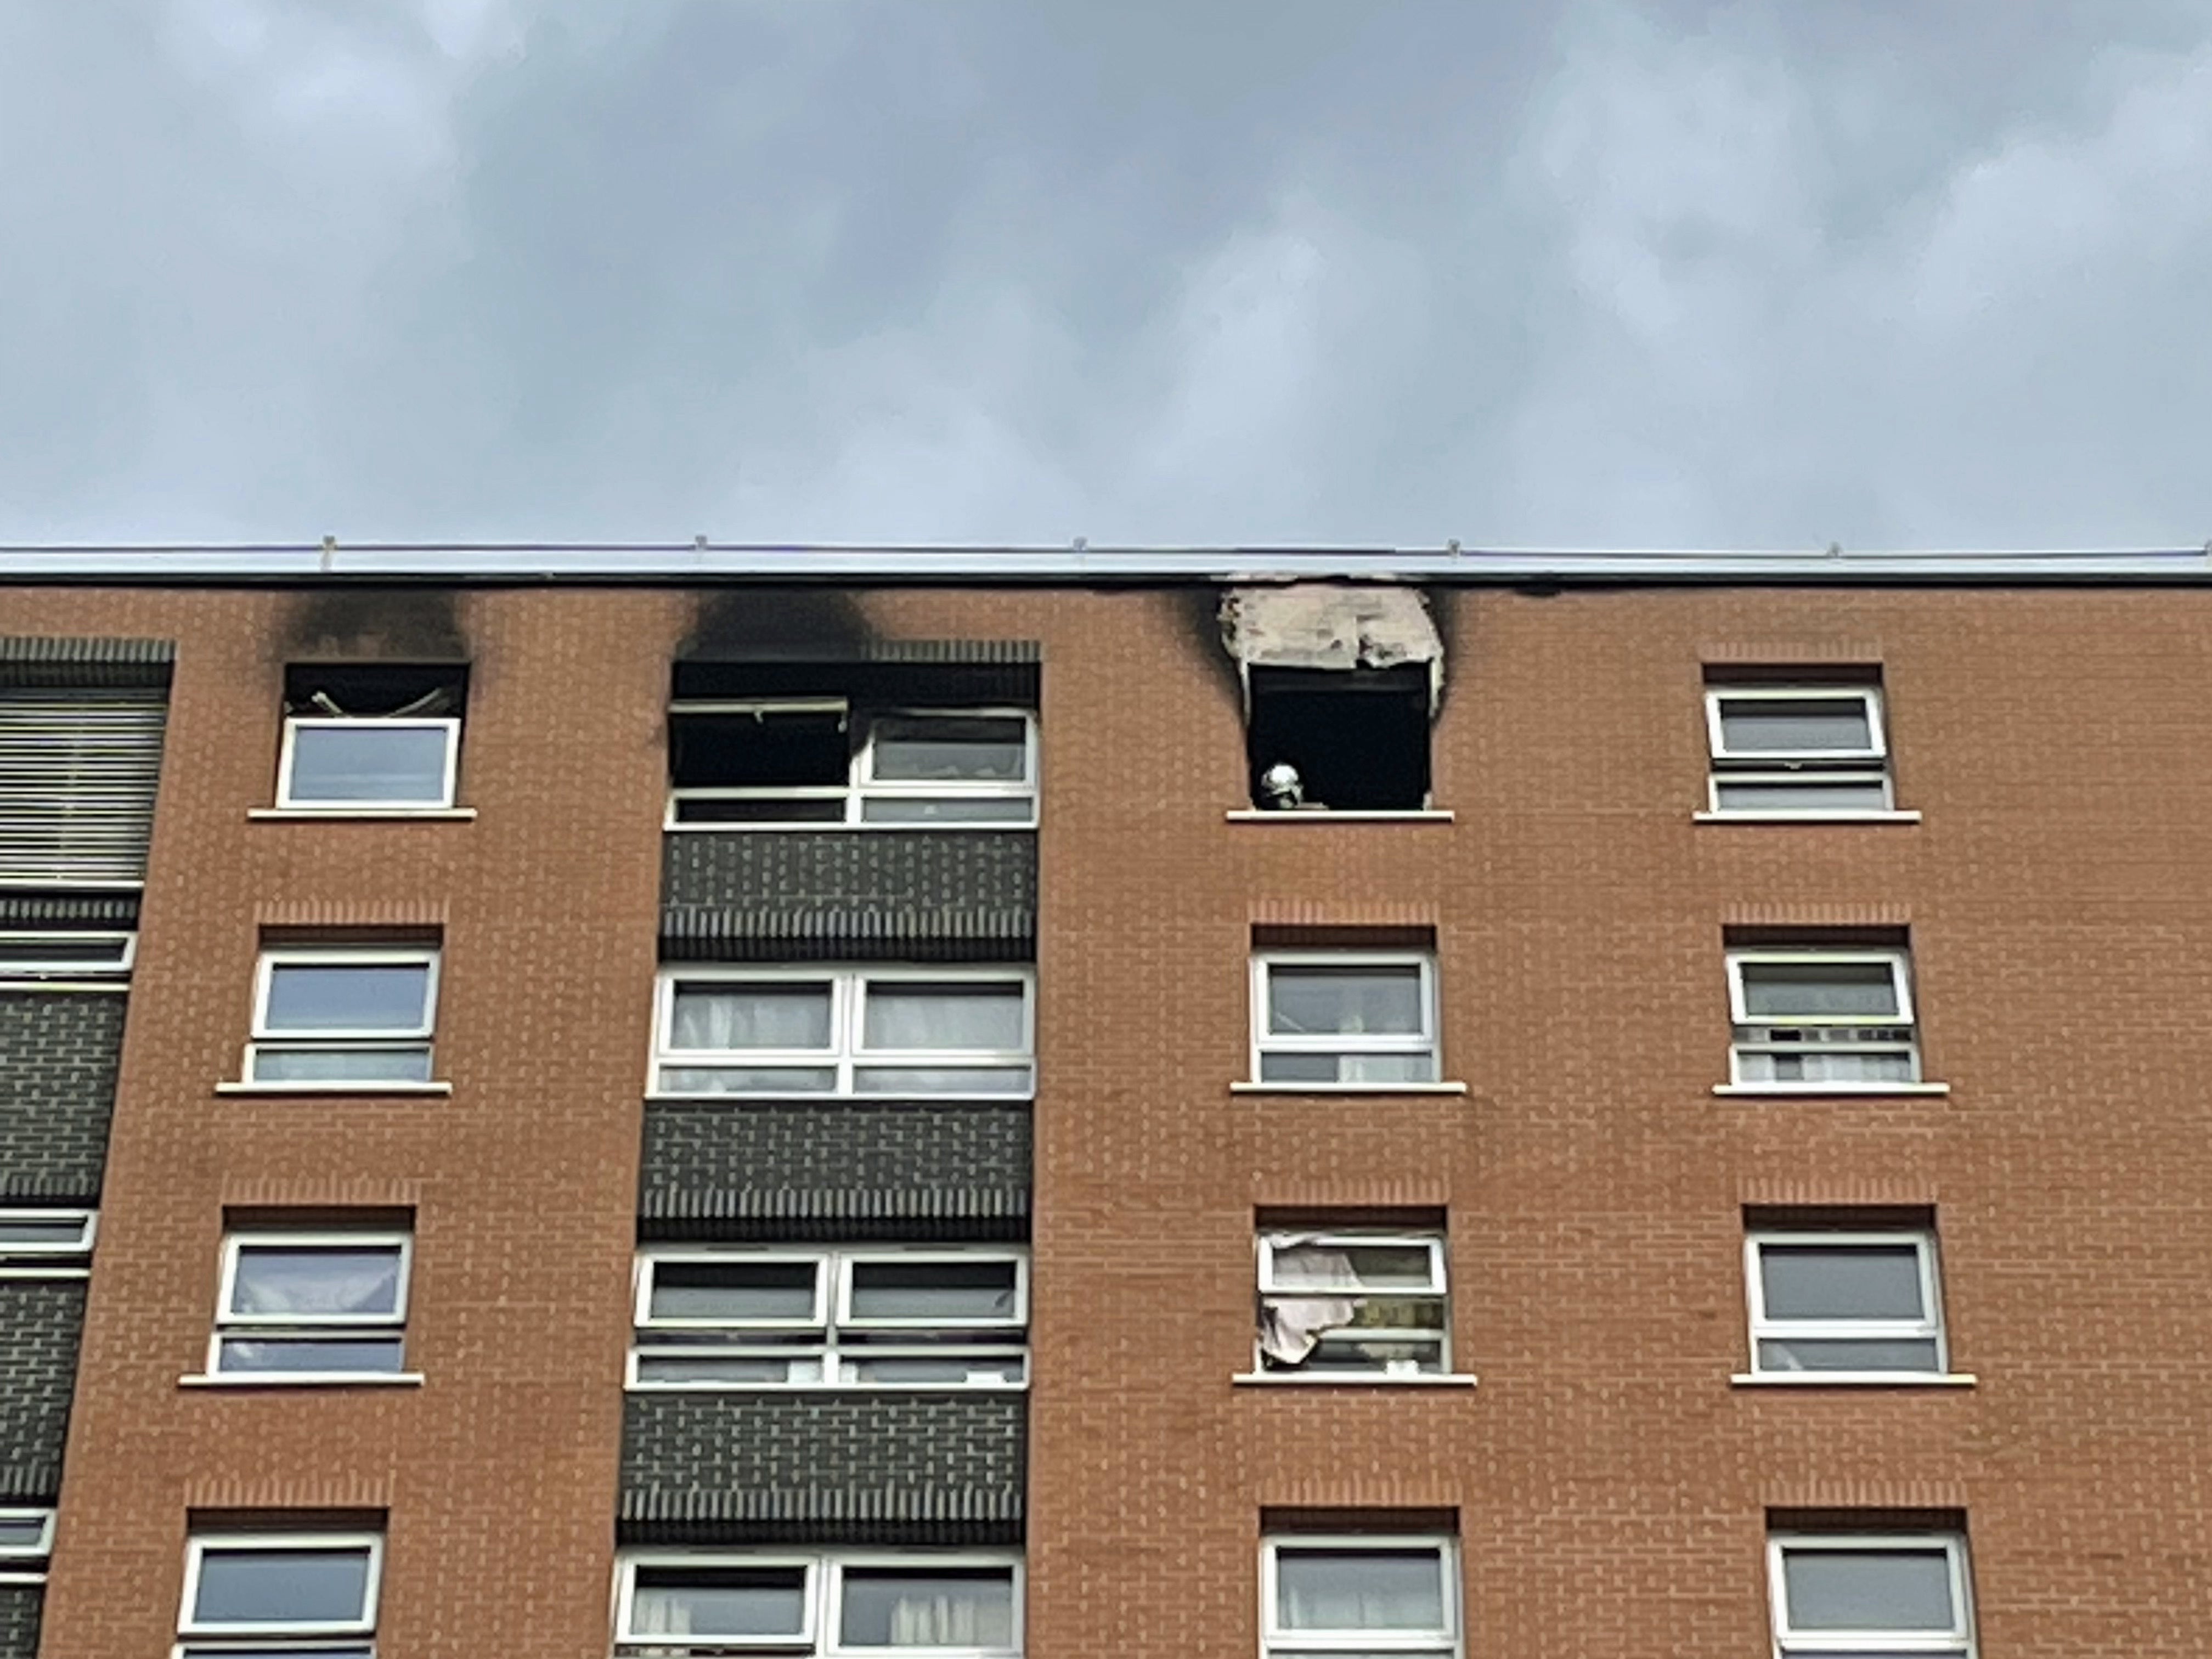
{"points": [[830, 1169], [821, 895], [886, 1467], [40, 1321], [19, 1620], [58, 1051]]}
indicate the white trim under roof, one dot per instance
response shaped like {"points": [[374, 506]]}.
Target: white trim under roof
{"points": [[702, 559]]}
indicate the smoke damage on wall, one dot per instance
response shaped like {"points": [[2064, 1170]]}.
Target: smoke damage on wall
{"points": [[411, 622]]}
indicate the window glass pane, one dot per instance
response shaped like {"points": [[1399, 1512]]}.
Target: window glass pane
{"points": [[1344, 1000], [360, 1280], [1379, 1268], [398, 1065], [727, 1368], [281, 1587], [780, 809], [1841, 1281], [1830, 1066], [20, 1533], [1280, 1066], [56, 1235], [369, 762], [51, 949], [923, 1292], [951, 1369], [734, 1290], [764, 1015], [953, 1608], [946, 748], [348, 996], [942, 1080], [725, 1601], [947, 809], [747, 1080], [1795, 726], [1816, 795], [1899, 1589], [1849, 1354], [924, 1014], [1359, 1589], [382, 1356], [1778, 990]]}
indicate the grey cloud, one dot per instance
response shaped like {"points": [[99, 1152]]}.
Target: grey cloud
{"points": [[1255, 270]]}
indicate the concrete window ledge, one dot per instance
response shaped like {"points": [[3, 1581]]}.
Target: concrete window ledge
{"points": [[1320, 815], [228, 1088], [325, 815], [1819, 1380], [1828, 1090], [1248, 1087], [279, 1379], [1804, 817], [1292, 1380]]}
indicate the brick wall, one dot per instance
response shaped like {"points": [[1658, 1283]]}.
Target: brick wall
{"points": [[896, 1467], [40, 1322], [58, 1052]]}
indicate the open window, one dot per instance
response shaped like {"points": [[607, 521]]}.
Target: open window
{"points": [[791, 763], [1353, 1301], [1340, 684], [1798, 749], [1812, 1018], [370, 737]]}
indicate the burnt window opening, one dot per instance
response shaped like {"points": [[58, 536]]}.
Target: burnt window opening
{"points": [[743, 763], [361, 735], [1341, 739]]}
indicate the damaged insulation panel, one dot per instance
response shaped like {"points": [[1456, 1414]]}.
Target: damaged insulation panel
{"points": [[1340, 684]]}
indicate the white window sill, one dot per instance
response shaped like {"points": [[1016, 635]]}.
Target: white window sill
{"points": [[1324, 814], [1853, 1380], [333, 1087], [1822, 1090], [307, 814], [22, 1578], [303, 1380], [1805, 817], [1249, 1087], [111, 987], [1352, 1380]]}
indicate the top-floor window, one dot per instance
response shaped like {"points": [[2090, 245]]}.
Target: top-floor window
{"points": [[802, 761], [370, 737], [1811, 751]]}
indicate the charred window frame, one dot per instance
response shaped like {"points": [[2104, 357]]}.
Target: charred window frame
{"points": [[381, 737], [815, 763], [1341, 739]]}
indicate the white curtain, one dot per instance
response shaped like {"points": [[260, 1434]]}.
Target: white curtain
{"points": [[979, 1618], [659, 1613], [1292, 1327], [902, 1018], [751, 1016]]}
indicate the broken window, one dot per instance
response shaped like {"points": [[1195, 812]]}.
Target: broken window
{"points": [[1341, 686], [1361, 1302], [744, 763], [370, 736]]}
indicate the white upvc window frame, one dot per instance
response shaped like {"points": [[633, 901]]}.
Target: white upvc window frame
{"points": [[1898, 958], [1810, 767], [848, 987], [861, 784], [1276, 1639], [1428, 1041], [22, 1259], [823, 1611], [94, 971], [821, 1337], [450, 723], [229, 1323], [25, 1564], [1958, 1642], [1269, 1240], [326, 1039], [1765, 1328], [200, 1545]]}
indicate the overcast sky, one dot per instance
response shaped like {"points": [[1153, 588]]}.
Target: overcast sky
{"points": [[1541, 273]]}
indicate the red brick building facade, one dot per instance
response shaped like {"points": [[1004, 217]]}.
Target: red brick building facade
{"points": [[1592, 1118]]}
